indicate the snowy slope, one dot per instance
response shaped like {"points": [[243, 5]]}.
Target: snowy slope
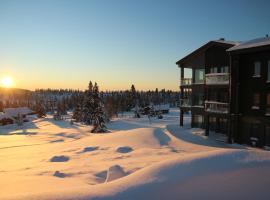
{"points": [[49, 159]]}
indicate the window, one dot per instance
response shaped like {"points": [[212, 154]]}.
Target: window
{"points": [[224, 69], [199, 76], [257, 69], [268, 104], [256, 101], [213, 70], [268, 71]]}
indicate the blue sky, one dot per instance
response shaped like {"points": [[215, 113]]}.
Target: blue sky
{"points": [[66, 43]]}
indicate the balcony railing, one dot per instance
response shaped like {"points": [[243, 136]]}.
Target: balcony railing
{"points": [[186, 81], [216, 107], [185, 103], [217, 79]]}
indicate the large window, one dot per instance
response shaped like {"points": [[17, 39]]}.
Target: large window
{"points": [[199, 76], [224, 69], [268, 71], [268, 104], [257, 69], [213, 70], [256, 101]]}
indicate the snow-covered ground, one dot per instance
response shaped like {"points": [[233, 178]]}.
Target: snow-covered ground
{"points": [[47, 159]]}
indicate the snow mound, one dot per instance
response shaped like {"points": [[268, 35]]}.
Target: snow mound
{"points": [[124, 149], [115, 172], [162, 137], [59, 159]]}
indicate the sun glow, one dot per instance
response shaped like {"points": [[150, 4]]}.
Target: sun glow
{"points": [[7, 82]]}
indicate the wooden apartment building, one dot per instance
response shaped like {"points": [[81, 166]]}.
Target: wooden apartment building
{"points": [[229, 90]]}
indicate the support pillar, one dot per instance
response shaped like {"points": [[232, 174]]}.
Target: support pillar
{"points": [[181, 97], [207, 125], [181, 118]]}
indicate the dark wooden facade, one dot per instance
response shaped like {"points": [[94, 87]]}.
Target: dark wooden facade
{"points": [[251, 115], [224, 101]]}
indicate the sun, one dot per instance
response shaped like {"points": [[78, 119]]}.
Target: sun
{"points": [[7, 82]]}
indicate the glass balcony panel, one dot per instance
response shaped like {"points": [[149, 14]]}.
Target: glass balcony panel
{"points": [[217, 79], [216, 107]]}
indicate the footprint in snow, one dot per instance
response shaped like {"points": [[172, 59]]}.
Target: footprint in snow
{"points": [[60, 174], [125, 149], [59, 159]]}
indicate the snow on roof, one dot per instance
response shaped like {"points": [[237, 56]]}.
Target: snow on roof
{"points": [[227, 42], [162, 107], [4, 116], [251, 44], [13, 112]]}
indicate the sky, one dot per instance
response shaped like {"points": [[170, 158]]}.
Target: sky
{"points": [[116, 43]]}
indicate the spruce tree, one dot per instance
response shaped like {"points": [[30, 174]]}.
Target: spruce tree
{"points": [[88, 106], [98, 112]]}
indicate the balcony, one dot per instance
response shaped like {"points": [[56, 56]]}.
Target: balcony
{"points": [[185, 103], [216, 107], [217, 79], [186, 81]]}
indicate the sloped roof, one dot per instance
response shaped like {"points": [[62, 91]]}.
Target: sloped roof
{"points": [[4, 116], [258, 42], [207, 45], [13, 112]]}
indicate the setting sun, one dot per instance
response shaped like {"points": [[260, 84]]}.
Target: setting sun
{"points": [[7, 81]]}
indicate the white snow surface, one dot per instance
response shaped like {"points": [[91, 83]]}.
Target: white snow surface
{"points": [[53, 160]]}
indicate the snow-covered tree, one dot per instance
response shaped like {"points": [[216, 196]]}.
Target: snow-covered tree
{"points": [[88, 105], [98, 112], [40, 109], [77, 113]]}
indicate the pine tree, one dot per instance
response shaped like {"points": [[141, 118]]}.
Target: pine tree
{"points": [[98, 112]]}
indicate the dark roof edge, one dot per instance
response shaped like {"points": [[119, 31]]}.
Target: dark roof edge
{"points": [[208, 44]]}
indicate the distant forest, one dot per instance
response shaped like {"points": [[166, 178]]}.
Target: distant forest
{"points": [[63, 100]]}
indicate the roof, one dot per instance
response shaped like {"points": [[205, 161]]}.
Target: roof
{"points": [[258, 42], [4, 116], [221, 42], [13, 112]]}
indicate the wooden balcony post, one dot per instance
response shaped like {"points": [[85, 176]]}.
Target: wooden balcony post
{"points": [[207, 125], [181, 97], [181, 117]]}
